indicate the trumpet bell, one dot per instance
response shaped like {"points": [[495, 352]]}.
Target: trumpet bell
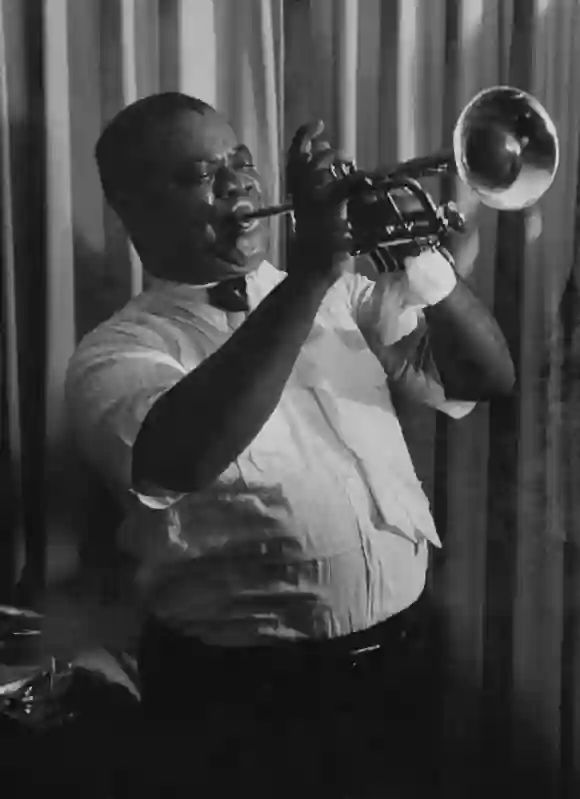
{"points": [[505, 148]]}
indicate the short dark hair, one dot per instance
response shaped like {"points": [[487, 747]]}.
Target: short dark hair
{"points": [[120, 151]]}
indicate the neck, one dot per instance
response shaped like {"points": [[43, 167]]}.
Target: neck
{"points": [[166, 267], [172, 266]]}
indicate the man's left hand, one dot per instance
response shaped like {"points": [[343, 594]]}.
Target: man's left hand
{"points": [[430, 278]]}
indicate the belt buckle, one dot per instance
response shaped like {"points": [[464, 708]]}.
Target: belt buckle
{"points": [[363, 650]]}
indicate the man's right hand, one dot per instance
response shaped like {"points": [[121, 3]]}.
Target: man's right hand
{"points": [[323, 240]]}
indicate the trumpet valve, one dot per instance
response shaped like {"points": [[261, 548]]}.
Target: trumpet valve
{"points": [[452, 217]]}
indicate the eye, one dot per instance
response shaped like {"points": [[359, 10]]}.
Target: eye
{"points": [[203, 174], [243, 166], [243, 161], [195, 175]]}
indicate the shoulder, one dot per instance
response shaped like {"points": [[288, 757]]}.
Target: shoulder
{"points": [[132, 329], [138, 322]]}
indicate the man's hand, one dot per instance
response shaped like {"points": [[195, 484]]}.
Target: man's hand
{"points": [[430, 278], [323, 240]]}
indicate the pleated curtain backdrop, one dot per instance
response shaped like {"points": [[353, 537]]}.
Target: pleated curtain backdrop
{"points": [[389, 77]]}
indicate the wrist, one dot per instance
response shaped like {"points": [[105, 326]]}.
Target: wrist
{"points": [[430, 278], [315, 263]]}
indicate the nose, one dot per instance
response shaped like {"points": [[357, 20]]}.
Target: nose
{"points": [[230, 183]]}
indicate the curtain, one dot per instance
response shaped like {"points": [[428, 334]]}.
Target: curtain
{"points": [[389, 78]]}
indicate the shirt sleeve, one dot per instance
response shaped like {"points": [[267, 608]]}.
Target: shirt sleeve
{"points": [[113, 379], [398, 336]]}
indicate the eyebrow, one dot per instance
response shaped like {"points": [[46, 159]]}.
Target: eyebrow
{"points": [[238, 149]]}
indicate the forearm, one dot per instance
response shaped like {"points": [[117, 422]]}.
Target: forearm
{"points": [[201, 425], [469, 349]]}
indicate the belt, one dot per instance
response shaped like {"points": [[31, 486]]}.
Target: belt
{"points": [[395, 637], [392, 635], [179, 674]]}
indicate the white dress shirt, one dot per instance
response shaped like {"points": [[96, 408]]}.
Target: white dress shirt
{"points": [[320, 526]]}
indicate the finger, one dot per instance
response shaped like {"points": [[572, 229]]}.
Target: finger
{"points": [[320, 146], [323, 159], [343, 189], [346, 159], [302, 141], [447, 255]]}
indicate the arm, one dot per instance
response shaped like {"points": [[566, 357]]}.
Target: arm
{"points": [[451, 350], [469, 349], [196, 429]]}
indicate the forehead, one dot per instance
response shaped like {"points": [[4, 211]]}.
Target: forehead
{"points": [[192, 136]]}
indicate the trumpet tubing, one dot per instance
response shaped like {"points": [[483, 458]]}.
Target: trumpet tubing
{"points": [[505, 148]]}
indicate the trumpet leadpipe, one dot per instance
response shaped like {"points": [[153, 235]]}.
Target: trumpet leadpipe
{"points": [[271, 210]]}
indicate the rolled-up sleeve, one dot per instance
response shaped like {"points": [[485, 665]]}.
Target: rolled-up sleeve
{"points": [[399, 337], [113, 379]]}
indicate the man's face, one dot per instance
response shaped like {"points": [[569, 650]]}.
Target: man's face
{"points": [[200, 182]]}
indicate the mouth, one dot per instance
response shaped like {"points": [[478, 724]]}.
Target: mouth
{"points": [[240, 211], [239, 238]]}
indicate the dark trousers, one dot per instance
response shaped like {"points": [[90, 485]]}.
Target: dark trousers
{"points": [[301, 720]]}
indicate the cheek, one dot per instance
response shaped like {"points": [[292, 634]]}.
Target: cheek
{"points": [[191, 216], [198, 205], [192, 202], [253, 181]]}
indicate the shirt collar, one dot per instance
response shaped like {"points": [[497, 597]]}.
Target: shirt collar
{"points": [[188, 293], [157, 284], [189, 290]]}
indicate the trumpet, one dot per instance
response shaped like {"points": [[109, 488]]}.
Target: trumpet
{"points": [[505, 148]]}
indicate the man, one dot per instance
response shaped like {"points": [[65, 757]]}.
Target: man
{"points": [[272, 507]]}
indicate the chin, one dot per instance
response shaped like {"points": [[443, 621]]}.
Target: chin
{"points": [[233, 258], [238, 263]]}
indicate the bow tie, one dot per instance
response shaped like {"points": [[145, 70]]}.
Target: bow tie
{"points": [[230, 295]]}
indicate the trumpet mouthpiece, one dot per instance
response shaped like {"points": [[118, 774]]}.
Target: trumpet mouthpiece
{"points": [[271, 210]]}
